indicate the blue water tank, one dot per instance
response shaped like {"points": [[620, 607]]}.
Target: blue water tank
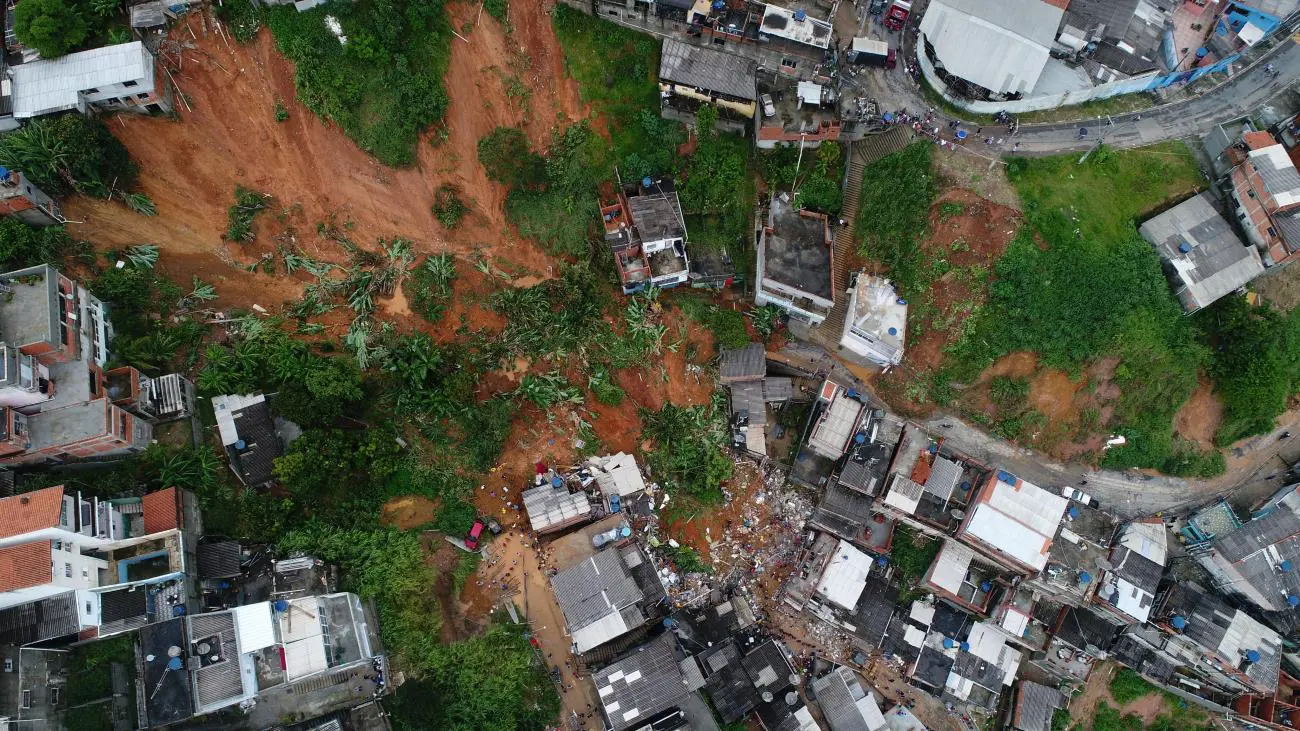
{"points": [[281, 605], [893, 331], [4, 171], [1074, 512], [1179, 622], [1006, 477], [668, 622], [902, 301], [239, 444], [934, 449], [1202, 52], [1185, 247], [860, 438], [615, 505], [1293, 600], [646, 182], [965, 484], [1084, 577], [800, 16], [719, 4], [986, 586], [1252, 655], [882, 560], [965, 646], [557, 481], [1286, 565], [948, 644], [175, 664]]}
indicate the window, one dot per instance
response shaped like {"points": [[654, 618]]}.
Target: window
{"points": [[1272, 231], [789, 63], [142, 96], [129, 84], [58, 545], [89, 608], [92, 91], [67, 570], [85, 573]]}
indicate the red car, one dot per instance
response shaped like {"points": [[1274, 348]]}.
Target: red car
{"points": [[471, 538]]}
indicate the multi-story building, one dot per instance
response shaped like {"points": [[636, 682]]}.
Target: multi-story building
{"points": [[1013, 522], [1266, 195], [646, 232], [56, 400], [113, 78], [795, 263], [25, 202], [1127, 586], [118, 564]]}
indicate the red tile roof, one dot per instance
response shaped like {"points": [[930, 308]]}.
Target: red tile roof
{"points": [[162, 511], [30, 511], [1062, 4], [25, 565], [1258, 140]]}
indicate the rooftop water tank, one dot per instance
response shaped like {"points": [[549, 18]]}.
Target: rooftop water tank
{"points": [[1293, 600], [860, 438], [986, 586], [557, 481], [719, 4], [965, 646], [965, 484], [646, 182], [948, 644], [1084, 577], [1179, 622], [175, 663], [893, 331], [1185, 247], [1006, 477], [800, 15], [1286, 565], [239, 444], [1252, 656]]}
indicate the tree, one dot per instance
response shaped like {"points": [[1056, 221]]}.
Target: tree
{"points": [[52, 27]]}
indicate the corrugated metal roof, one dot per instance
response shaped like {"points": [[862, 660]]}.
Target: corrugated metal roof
{"points": [[845, 576], [594, 591], [645, 682], [54, 85], [743, 364], [943, 479], [253, 626], [1001, 45], [1218, 261], [219, 560], [549, 506], [1018, 519], [704, 68]]}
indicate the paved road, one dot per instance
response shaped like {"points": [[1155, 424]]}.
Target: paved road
{"points": [[1242, 93]]}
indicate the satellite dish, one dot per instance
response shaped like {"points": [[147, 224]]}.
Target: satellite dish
{"points": [[1104, 564], [791, 698], [767, 696], [957, 513], [204, 648]]}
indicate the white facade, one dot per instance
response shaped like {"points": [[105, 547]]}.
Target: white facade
{"points": [[876, 324], [113, 76]]}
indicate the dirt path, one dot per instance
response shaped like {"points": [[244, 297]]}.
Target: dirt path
{"points": [[228, 134]]}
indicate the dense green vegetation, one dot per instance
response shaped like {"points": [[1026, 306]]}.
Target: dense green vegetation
{"points": [[555, 202], [69, 153], [448, 208], [384, 86], [52, 27], [1080, 239], [1255, 363], [817, 177], [1127, 686], [688, 451], [428, 286], [726, 324], [912, 552], [240, 215], [22, 245], [893, 214]]}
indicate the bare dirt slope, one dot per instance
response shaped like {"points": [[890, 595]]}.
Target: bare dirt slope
{"points": [[227, 134]]}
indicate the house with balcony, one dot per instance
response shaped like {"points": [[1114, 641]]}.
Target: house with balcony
{"points": [[1126, 588], [646, 232], [1266, 196], [788, 41], [56, 401], [794, 262], [117, 564]]}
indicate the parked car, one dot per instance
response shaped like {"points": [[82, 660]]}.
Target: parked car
{"points": [[1079, 496], [769, 109], [892, 59], [471, 538]]}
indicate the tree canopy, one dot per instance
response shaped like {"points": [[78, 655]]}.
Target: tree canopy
{"points": [[52, 27]]}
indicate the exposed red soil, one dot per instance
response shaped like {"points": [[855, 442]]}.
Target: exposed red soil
{"points": [[976, 237], [227, 134], [1051, 393], [1199, 418], [409, 512], [696, 528]]}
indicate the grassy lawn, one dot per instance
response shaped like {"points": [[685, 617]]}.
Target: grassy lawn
{"points": [[1109, 191], [894, 211]]}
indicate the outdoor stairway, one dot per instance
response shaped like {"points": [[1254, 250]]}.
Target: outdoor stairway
{"points": [[844, 256]]}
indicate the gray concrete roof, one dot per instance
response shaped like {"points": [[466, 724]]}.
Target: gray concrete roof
{"points": [[704, 68], [796, 252], [28, 316], [1217, 262], [743, 364], [1035, 705]]}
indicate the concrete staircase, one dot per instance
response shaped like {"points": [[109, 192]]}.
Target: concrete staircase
{"points": [[844, 255]]}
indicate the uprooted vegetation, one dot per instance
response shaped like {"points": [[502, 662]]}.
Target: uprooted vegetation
{"points": [[375, 67]]}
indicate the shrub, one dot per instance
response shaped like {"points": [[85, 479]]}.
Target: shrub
{"points": [[1127, 686], [912, 553], [506, 157], [689, 448], [69, 153], [497, 9], [726, 324], [428, 287], [22, 245], [239, 217], [448, 208], [897, 191], [244, 20], [281, 112]]}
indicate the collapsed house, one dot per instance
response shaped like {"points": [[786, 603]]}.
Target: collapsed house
{"points": [[646, 233]]}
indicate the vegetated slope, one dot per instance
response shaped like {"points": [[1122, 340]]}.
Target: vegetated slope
{"points": [[228, 134], [1079, 284]]}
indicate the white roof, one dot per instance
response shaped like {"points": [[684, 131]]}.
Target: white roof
{"points": [[617, 474], [305, 657], [1018, 519], [548, 506], [870, 712], [951, 566], [1002, 45], [904, 494], [806, 720], [870, 45], [1130, 598], [300, 620], [809, 93], [986, 642], [1250, 34], [922, 612], [254, 628], [1244, 633], [899, 718], [1147, 539], [1278, 160], [756, 439], [877, 318], [53, 85], [845, 576], [779, 22], [830, 435], [599, 632], [225, 407], [1015, 622]]}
